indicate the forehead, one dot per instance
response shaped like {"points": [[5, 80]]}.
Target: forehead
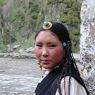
{"points": [[46, 35]]}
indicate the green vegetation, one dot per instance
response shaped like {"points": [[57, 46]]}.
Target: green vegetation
{"points": [[71, 18], [55, 1], [26, 16], [2, 2], [21, 23]]}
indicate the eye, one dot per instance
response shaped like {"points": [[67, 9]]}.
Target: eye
{"points": [[52, 45], [38, 45]]}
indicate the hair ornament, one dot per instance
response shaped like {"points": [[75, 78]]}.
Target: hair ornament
{"points": [[64, 44], [47, 25]]}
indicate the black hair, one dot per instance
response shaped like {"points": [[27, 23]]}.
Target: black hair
{"points": [[68, 66]]}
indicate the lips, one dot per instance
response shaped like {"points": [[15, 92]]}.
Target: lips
{"points": [[45, 61]]}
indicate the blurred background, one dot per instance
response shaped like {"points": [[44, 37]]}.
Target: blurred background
{"points": [[21, 19]]}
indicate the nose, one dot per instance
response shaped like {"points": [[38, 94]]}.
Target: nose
{"points": [[45, 52]]}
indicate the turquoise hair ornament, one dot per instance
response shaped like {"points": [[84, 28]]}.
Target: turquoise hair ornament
{"points": [[47, 25], [64, 44]]}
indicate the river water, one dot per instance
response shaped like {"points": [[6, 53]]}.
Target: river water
{"points": [[18, 76]]}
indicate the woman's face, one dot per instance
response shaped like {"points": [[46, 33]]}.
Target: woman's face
{"points": [[48, 49]]}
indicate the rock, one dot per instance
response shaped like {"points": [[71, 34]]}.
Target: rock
{"points": [[87, 43], [16, 46], [30, 50]]}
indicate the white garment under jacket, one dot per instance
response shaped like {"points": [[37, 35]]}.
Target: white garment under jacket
{"points": [[75, 87]]}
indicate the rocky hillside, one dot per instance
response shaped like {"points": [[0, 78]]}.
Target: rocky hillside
{"points": [[20, 19]]}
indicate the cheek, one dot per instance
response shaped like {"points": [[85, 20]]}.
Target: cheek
{"points": [[37, 52], [57, 54]]}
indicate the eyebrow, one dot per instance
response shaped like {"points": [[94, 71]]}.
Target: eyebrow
{"points": [[46, 43]]}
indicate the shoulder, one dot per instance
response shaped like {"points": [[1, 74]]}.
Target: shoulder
{"points": [[73, 81], [75, 87]]}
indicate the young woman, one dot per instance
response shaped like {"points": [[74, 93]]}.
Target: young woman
{"points": [[60, 73]]}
